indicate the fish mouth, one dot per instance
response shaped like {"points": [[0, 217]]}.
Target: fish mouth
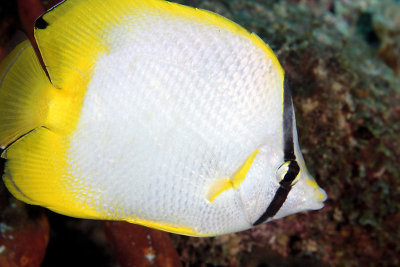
{"points": [[317, 198], [324, 195], [319, 194]]}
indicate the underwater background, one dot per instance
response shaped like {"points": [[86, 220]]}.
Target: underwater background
{"points": [[342, 59]]}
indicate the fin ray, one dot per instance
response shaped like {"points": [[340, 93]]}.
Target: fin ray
{"points": [[36, 172], [23, 94]]}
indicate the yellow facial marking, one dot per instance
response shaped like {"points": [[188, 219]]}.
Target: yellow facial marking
{"points": [[319, 195], [225, 183]]}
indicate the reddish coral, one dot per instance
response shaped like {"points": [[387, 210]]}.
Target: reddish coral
{"points": [[23, 235], [135, 245], [29, 11]]}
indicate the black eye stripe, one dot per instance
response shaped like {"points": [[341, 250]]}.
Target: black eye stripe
{"points": [[288, 155], [282, 192], [276, 203]]}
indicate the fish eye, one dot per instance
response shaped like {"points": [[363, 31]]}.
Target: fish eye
{"points": [[288, 173], [281, 171]]}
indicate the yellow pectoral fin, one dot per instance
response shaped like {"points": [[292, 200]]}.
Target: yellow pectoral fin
{"points": [[240, 174], [225, 184], [218, 187]]}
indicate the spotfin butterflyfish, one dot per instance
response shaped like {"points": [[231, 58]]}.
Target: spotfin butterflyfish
{"points": [[153, 113]]}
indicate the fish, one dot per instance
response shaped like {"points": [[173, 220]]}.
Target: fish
{"points": [[154, 113]]}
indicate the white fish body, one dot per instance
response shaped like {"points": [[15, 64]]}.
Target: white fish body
{"points": [[174, 118]]}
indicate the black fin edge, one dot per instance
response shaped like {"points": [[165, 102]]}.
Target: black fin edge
{"points": [[40, 23]]}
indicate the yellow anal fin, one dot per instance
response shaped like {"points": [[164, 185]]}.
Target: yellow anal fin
{"points": [[36, 173], [225, 184], [176, 229]]}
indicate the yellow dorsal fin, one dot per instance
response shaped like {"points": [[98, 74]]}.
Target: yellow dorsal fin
{"points": [[225, 183], [73, 34], [69, 38]]}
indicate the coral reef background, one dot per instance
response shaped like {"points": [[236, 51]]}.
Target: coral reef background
{"points": [[342, 59]]}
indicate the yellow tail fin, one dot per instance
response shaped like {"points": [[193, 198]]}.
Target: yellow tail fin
{"points": [[23, 94]]}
